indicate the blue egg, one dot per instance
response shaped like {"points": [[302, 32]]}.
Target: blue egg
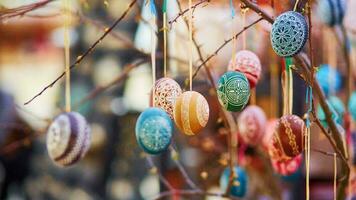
{"points": [[337, 108], [329, 79], [154, 130], [352, 105], [331, 12], [239, 184]]}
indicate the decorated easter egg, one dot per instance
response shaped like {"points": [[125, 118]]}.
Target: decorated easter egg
{"points": [[252, 123], [247, 63], [329, 79], [287, 167], [337, 109], [165, 91], [233, 91], [288, 135], [268, 134], [68, 138], [289, 34], [154, 130], [191, 112], [331, 12], [352, 105], [239, 184]]}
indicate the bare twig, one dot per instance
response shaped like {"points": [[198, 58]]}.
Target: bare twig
{"points": [[22, 10]]}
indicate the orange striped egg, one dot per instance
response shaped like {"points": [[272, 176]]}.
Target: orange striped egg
{"points": [[191, 112]]}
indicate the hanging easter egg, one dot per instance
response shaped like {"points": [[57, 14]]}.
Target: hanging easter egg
{"points": [[191, 112], [268, 134], [247, 63], [331, 12], [165, 91], [329, 78], [289, 34], [239, 184], [154, 130], [68, 138], [337, 109], [233, 91], [251, 124], [287, 167], [352, 105], [289, 134]]}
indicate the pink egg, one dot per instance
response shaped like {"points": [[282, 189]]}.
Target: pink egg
{"points": [[267, 137], [251, 124], [287, 167], [248, 63]]}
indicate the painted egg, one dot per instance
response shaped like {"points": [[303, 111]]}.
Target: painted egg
{"points": [[289, 34], [352, 105], [68, 138], [251, 124], [331, 12], [268, 134], [287, 167], [247, 63], [288, 135], [191, 112], [165, 91], [337, 109], [329, 79], [154, 130], [239, 184], [233, 91]]}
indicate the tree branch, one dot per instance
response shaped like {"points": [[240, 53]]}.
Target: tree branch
{"points": [[21, 10]]}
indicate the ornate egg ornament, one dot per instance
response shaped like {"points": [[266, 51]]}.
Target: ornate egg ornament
{"points": [[331, 12], [154, 130], [233, 91], [252, 123], [329, 79], [337, 108], [288, 135], [240, 182], [249, 64], [269, 130], [289, 34], [352, 105], [191, 112], [166, 91], [287, 167], [68, 138]]}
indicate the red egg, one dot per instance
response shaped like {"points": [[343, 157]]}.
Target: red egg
{"points": [[287, 167], [248, 63], [251, 124], [269, 130]]}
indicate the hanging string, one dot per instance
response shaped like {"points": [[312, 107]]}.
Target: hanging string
{"points": [[289, 84], [243, 12], [67, 21], [335, 175], [165, 29], [308, 100], [153, 45], [190, 45], [234, 39], [295, 5]]}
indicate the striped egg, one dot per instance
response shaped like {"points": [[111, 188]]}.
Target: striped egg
{"points": [[68, 138], [191, 112], [288, 136]]}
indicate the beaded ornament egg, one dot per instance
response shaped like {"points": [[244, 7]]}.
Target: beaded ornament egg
{"points": [[331, 12], [287, 167], [191, 112], [240, 181], [337, 109], [352, 105], [154, 130], [247, 63], [329, 79], [251, 124], [233, 91], [288, 135], [68, 138], [166, 91], [289, 34]]}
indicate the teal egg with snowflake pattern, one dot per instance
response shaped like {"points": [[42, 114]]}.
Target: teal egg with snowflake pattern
{"points": [[233, 91], [154, 130]]}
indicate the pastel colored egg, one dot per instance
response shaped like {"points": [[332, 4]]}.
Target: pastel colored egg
{"points": [[287, 167], [329, 78], [233, 91], [154, 130], [288, 136], [337, 109], [68, 138], [331, 12], [247, 63], [352, 105], [251, 124], [165, 91], [289, 34], [191, 112], [240, 181]]}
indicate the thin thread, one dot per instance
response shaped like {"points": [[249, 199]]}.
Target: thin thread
{"points": [[67, 54], [165, 43], [153, 55], [335, 175], [243, 25], [308, 163], [190, 46], [290, 94], [295, 5]]}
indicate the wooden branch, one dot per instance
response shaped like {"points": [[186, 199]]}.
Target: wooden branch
{"points": [[21, 10]]}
